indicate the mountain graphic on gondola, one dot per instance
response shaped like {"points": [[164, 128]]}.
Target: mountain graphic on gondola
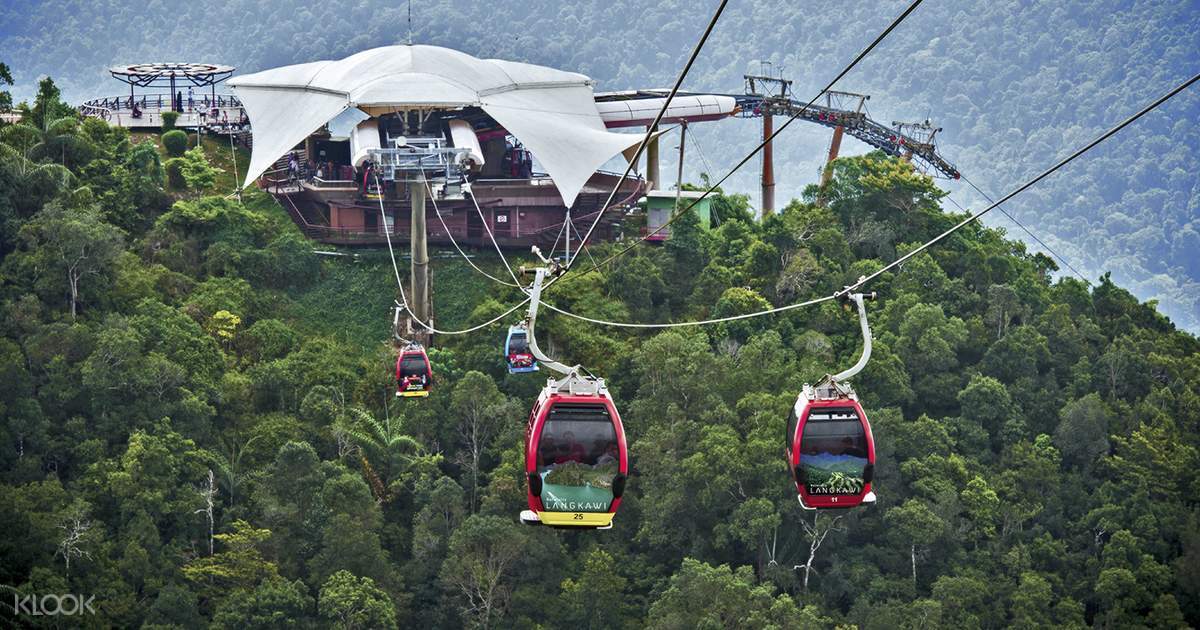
{"points": [[825, 462]]}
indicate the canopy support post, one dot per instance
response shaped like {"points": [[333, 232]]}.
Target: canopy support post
{"points": [[653, 178]]}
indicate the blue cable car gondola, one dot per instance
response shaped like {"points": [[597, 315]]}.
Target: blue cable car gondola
{"points": [[516, 351]]}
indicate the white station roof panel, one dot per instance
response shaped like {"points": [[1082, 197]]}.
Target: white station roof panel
{"points": [[551, 111]]}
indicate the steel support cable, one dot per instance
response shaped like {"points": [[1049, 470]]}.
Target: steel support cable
{"points": [[400, 284], [387, 234], [896, 22], [585, 248], [650, 131], [491, 236], [1027, 230], [1046, 173], [854, 287], [455, 242], [558, 238], [706, 322]]}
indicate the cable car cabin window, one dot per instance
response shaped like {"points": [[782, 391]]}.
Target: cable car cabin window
{"points": [[791, 429], [412, 366], [518, 345], [578, 457], [833, 451]]}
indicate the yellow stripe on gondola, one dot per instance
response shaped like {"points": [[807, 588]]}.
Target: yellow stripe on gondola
{"points": [[419, 393], [576, 519]]}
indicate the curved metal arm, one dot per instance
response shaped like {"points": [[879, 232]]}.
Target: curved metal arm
{"points": [[866, 331], [534, 299]]}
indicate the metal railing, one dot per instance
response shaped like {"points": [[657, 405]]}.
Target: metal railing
{"points": [[159, 101]]}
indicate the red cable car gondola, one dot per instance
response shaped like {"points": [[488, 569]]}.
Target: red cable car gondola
{"points": [[576, 461], [414, 377], [830, 449]]}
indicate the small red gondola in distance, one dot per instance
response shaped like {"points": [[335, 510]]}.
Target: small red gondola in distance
{"points": [[831, 451], [576, 461], [414, 377]]}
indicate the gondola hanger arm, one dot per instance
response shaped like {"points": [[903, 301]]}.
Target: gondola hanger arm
{"points": [[845, 375], [535, 295]]}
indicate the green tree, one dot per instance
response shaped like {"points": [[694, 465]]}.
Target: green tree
{"points": [[48, 105], [482, 411], [74, 242], [6, 78], [240, 566], [385, 451], [985, 404], [274, 603], [917, 526], [598, 598], [197, 172], [175, 142], [703, 596], [1083, 430], [478, 570], [352, 603], [1031, 602]]}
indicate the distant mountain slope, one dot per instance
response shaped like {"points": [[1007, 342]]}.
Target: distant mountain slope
{"points": [[1014, 84]]}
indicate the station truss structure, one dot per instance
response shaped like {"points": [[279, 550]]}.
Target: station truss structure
{"points": [[771, 95]]}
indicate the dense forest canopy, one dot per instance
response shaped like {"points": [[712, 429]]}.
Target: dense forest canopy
{"points": [[197, 424], [1015, 85]]}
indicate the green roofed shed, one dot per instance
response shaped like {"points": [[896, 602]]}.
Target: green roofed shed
{"points": [[660, 205]]}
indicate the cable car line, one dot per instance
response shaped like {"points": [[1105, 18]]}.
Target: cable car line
{"points": [[861, 55], [650, 131], [491, 236], [453, 242], [1046, 173], [899, 261], [705, 322], [404, 300], [848, 289], [1027, 230], [863, 280], [896, 22]]}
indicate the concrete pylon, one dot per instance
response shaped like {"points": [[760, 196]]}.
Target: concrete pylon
{"points": [[419, 299], [768, 167]]}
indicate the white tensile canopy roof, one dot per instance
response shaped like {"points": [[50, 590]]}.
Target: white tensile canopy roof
{"points": [[553, 113]]}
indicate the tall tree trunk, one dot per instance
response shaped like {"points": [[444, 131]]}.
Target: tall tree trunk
{"points": [[74, 280], [912, 550]]}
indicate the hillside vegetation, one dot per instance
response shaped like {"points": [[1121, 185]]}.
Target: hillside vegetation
{"points": [[198, 424]]}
